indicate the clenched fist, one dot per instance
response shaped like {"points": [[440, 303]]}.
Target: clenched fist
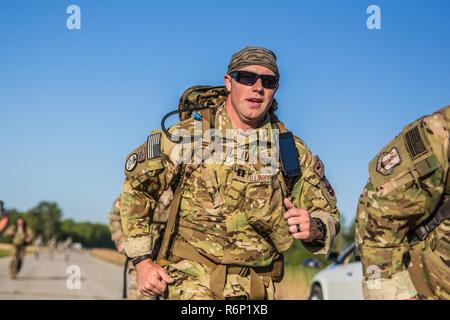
{"points": [[301, 226], [152, 280]]}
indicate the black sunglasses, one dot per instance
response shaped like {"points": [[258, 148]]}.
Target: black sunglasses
{"points": [[249, 78]]}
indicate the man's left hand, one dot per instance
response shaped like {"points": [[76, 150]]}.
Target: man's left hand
{"points": [[301, 226]]}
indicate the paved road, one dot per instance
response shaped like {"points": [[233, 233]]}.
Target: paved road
{"points": [[46, 278]]}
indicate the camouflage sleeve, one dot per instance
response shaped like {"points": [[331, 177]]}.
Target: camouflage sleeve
{"points": [[150, 170], [405, 185], [314, 193], [115, 225]]}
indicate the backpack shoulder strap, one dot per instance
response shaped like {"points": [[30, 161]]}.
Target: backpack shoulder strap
{"points": [[278, 124], [207, 115]]}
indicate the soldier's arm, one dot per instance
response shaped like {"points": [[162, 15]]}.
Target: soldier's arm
{"points": [[315, 194], [115, 226], [150, 170], [405, 186]]}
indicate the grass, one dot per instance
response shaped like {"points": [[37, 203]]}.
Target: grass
{"points": [[109, 255], [5, 250], [4, 253]]}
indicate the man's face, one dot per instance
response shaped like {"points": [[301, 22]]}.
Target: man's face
{"points": [[250, 102]]}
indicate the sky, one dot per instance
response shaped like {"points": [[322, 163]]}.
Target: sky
{"points": [[74, 103]]}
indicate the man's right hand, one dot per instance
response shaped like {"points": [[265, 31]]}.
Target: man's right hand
{"points": [[152, 280]]}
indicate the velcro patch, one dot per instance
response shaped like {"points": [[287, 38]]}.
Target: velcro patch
{"points": [[329, 188], [387, 161], [154, 146], [141, 154], [132, 161], [319, 168], [414, 143], [258, 177]]}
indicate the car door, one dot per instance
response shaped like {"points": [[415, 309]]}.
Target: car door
{"points": [[344, 282]]}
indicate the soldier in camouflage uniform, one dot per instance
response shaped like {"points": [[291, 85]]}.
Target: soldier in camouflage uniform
{"points": [[402, 225], [231, 222], [118, 237], [21, 236]]}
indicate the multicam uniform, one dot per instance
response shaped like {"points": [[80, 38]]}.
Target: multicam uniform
{"points": [[118, 237], [21, 236], [230, 229], [409, 181]]}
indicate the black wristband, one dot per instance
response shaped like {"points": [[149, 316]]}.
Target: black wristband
{"points": [[136, 260]]}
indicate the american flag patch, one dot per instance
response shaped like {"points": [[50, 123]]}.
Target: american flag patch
{"points": [[154, 146]]}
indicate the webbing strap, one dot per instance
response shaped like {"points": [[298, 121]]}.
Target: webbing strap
{"points": [[423, 230], [170, 226], [169, 231], [218, 276]]}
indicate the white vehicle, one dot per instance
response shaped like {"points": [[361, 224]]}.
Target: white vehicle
{"points": [[341, 280], [77, 246]]}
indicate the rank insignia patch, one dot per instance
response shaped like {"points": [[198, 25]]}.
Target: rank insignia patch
{"points": [[141, 154], [154, 146], [329, 188], [387, 161], [319, 168], [131, 162]]}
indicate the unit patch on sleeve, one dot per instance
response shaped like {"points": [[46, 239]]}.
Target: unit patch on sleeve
{"points": [[387, 161], [131, 162], [319, 168]]}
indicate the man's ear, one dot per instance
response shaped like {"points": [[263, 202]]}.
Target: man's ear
{"points": [[227, 81]]}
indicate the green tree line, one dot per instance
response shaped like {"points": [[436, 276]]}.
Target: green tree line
{"points": [[46, 219]]}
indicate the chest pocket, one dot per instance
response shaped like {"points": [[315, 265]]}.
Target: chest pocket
{"points": [[405, 159], [264, 209], [236, 185], [203, 188], [259, 193]]}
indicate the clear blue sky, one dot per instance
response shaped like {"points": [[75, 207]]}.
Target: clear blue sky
{"points": [[73, 103]]}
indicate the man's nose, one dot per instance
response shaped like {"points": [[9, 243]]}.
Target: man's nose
{"points": [[258, 86]]}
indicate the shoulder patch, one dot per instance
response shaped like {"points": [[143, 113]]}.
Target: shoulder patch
{"points": [[141, 153], [132, 162], [154, 146], [387, 161], [329, 188], [414, 143], [405, 158], [319, 168]]}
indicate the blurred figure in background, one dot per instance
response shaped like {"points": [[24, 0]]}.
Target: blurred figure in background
{"points": [[21, 236], [52, 245], [67, 247], [115, 226], [38, 246]]}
